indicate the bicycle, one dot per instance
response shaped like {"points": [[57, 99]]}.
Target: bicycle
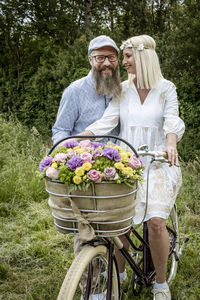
{"points": [[96, 261]]}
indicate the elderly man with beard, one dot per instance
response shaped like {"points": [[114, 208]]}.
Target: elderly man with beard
{"points": [[85, 100]]}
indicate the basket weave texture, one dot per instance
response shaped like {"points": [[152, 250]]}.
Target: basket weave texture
{"points": [[105, 216]]}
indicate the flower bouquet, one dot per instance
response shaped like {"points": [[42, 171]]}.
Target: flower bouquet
{"points": [[78, 165], [92, 187]]}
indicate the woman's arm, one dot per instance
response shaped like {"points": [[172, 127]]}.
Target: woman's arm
{"points": [[173, 126]]}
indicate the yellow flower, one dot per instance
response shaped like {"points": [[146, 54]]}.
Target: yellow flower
{"points": [[124, 156], [86, 166], [119, 165], [54, 165], [118, 148], [79, 151], [79, 171], [128, 171], [129, 154], [109, 144], [77, 147], [77, 179]]}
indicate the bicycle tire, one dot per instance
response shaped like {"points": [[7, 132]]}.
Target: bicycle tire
{"points": [[172, 265], [70, 289]]}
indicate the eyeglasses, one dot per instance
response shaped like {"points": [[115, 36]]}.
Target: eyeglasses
{"points": [[102, 58]]}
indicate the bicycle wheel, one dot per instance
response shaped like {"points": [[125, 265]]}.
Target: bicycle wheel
{"points": [[172, 226], [89, 271]]}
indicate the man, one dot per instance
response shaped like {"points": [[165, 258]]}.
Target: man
{"points": [[85, 100]]}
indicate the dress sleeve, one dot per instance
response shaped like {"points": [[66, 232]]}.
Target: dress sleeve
{"points": [[172, 122], [66, 117], [108, 121]]}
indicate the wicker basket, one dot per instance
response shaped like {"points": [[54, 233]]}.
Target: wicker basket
{"points": [[107, 207]]}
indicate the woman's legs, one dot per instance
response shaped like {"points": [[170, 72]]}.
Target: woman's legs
{"points": [[159, 246]]}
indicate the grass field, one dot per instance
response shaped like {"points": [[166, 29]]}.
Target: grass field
{"points": [[34, 257]]}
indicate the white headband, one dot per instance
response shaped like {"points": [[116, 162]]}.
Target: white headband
{"points": [[140, 47]]}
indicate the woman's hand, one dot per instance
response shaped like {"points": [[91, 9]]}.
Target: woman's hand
{"points": [[172, 154]]}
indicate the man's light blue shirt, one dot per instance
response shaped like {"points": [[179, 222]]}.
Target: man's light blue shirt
{"points": [[80, 106]]}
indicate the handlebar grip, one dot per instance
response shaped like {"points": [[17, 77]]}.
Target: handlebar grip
{"points": [[162, 153]]}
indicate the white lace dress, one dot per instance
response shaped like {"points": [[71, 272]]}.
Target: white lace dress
{"points": [[148, 123]]}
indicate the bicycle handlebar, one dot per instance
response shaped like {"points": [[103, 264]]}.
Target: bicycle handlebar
{"points": [[160, 156], [142, 151]]}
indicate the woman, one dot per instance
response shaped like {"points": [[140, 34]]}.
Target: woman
{"points": [[148, 114]]}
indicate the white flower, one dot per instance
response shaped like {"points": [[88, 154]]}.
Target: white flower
{"points": [[140, 47], [52, 173]]}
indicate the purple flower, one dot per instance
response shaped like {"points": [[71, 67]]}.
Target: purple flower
{"points": [[109, 173], [70, 144], [97, 153], [74, 162], [60, 157], [96, 145], [134, 162], [45, 162], [112, 154], [94, 175]]}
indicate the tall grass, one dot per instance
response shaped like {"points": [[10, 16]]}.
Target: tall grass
{"points": [[34, 257]]}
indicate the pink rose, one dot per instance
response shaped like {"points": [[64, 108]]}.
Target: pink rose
{"points": [[60, 157], [109, 173], [71, 153], [85, 144], [97, 153], [85, 156], [134, 162], [52, 173], [94, 175]]}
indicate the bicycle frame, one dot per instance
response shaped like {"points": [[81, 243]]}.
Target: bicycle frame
{"points": [[146, 274]]}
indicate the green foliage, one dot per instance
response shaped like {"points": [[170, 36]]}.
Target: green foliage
{"points": [[43, 90], [66, 175], [34, 257], [102, 163], [17, 152], [44, 48]]}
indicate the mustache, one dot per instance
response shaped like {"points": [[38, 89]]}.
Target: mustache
{"points": [[106, 67], [110, 83]]}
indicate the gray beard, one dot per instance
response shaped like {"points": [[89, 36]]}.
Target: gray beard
{"points": [[107, 85]]}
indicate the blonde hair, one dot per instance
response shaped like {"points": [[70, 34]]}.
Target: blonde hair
{"points": [[148, 70]]}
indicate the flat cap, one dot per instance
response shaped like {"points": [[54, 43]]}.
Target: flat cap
{"points": [[101, 41]]}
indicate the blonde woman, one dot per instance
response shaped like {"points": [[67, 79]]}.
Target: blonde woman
{"points": [[148, 114]]}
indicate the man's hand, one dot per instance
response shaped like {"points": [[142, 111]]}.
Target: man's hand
{"points": [[63, 142], [87, 132]]}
